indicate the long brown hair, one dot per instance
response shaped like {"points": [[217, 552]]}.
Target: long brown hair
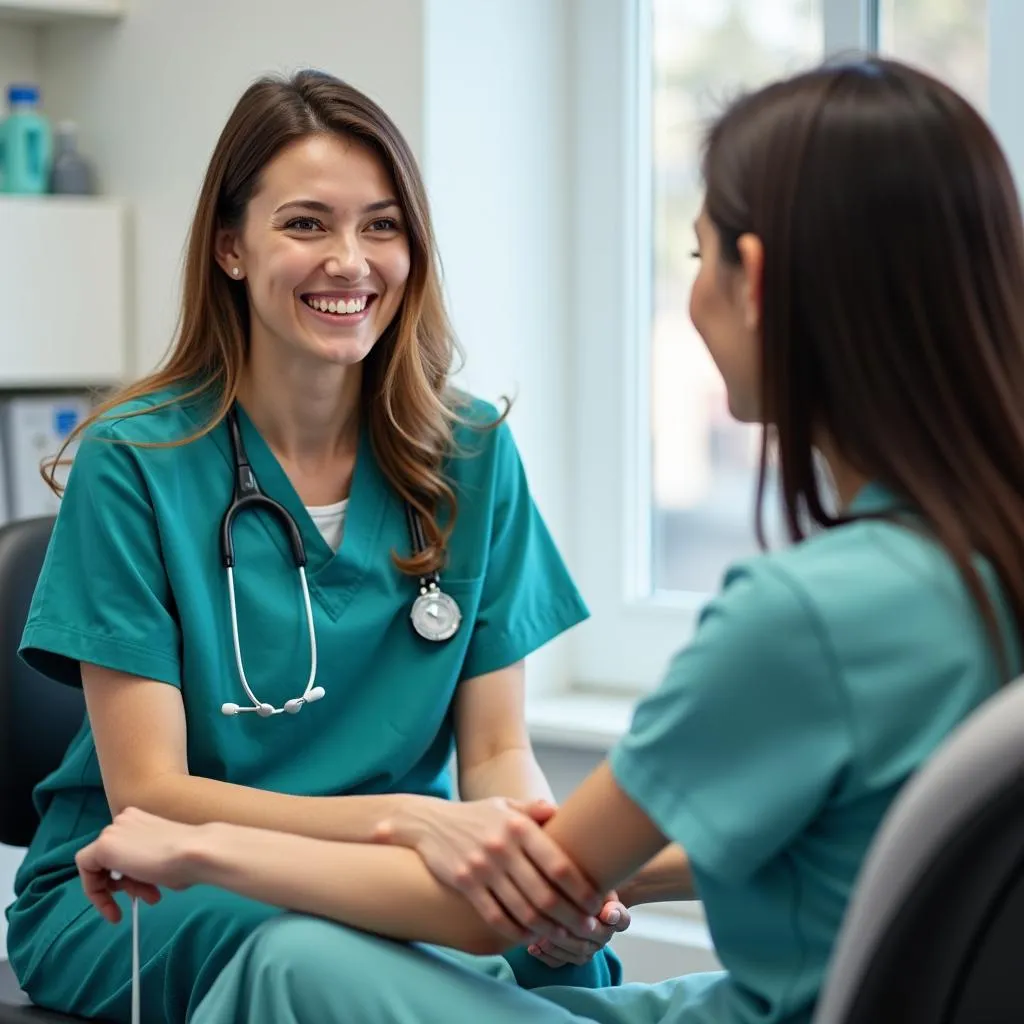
{"points": [[893, 299], [407, 403]]}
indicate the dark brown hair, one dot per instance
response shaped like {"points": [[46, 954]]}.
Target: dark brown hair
{"points": [[407, 403], [893, 299]]}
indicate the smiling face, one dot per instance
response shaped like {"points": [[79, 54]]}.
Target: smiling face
{"points": [[322, 250]]}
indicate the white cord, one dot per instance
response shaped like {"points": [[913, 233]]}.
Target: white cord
{"points": [[312, 632], [310, 694], [136, 985], [235, 640], [136, 1010]]}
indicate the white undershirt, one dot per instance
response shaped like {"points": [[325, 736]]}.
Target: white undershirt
{"points": [[330, 521]]}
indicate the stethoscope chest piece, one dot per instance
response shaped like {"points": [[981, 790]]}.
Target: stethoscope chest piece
{"points": [[435, 615]]}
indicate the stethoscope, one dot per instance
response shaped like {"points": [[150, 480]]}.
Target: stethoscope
{"points": [[435, 615]]}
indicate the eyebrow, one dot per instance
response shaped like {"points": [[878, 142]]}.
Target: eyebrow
{"points": [[318, 207]]}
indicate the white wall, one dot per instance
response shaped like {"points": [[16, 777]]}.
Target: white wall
{"points": [[19, 56], [497, 168], [152, 93]]}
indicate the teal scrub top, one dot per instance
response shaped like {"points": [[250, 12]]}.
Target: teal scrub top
{"points": [[133, 580], [818, 681]]}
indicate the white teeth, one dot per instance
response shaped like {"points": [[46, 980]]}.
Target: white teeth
{"points": [[338, 306]]}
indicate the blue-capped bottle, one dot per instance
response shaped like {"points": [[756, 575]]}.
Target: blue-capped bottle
{"points": [[27, 142]]}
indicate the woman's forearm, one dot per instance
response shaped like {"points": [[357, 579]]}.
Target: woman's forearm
{"points": [[196, 801], [512, 773], [381, 889], [665, 877]]}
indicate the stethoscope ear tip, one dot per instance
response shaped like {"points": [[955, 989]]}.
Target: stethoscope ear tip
{"points": [[294, 706], [229, 709], [265, 710]]}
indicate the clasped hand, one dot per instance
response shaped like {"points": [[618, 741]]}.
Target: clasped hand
{"points": [[517, 878]]}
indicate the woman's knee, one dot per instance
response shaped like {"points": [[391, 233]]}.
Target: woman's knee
{"points": [[294, 961], [309, 947], [211, 926], [295, 968]]}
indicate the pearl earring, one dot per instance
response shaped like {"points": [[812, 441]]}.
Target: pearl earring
{"points": [[235, 271]]}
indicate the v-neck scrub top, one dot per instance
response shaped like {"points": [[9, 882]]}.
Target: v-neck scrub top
{"points": [[133, 581]]}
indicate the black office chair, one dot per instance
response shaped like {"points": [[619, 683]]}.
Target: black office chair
{"points": [[935, 931], [38, 719]]}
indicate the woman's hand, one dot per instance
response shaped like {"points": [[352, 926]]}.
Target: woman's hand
{"points": [[496, 854], [557, 952], [135, 854]]}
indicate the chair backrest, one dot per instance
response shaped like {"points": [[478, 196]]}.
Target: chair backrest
{"points": [[935, 931], [38, 717]]}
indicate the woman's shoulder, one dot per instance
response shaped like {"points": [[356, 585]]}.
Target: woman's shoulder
{"points": [[482, 440], [869, 584], [168, 415], [475, 417], [865, 560]]}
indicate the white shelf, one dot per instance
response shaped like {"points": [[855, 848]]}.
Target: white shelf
{"points": [[63, 291], [42, 12]]}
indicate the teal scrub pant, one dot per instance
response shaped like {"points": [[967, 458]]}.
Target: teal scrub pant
{"points": [[304, 970], [185, 942]]}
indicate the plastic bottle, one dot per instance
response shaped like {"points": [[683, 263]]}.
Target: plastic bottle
{"points": [[71, 175], [27, 143]]}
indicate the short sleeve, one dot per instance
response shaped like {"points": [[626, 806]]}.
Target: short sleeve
{"points": [[103, 595], [528, 597], [746, 735]]}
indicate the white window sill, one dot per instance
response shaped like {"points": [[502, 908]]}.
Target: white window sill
{"points": [[663, 925], [659, 946], [580, 720]]}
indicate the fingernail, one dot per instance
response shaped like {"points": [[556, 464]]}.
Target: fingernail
{"points": [[614, 917], [591, 924]]}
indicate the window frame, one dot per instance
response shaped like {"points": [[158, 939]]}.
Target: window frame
{"points": [[632, 634]]}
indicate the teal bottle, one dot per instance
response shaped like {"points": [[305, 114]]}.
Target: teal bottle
{"points": [[27, 142]]}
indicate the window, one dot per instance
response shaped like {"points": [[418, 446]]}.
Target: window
{"points": [[665, 479], [703, 462], [949, 39]]}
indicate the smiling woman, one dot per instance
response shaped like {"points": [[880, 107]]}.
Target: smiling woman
{"points": [[326, 268], [308, 385]]}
